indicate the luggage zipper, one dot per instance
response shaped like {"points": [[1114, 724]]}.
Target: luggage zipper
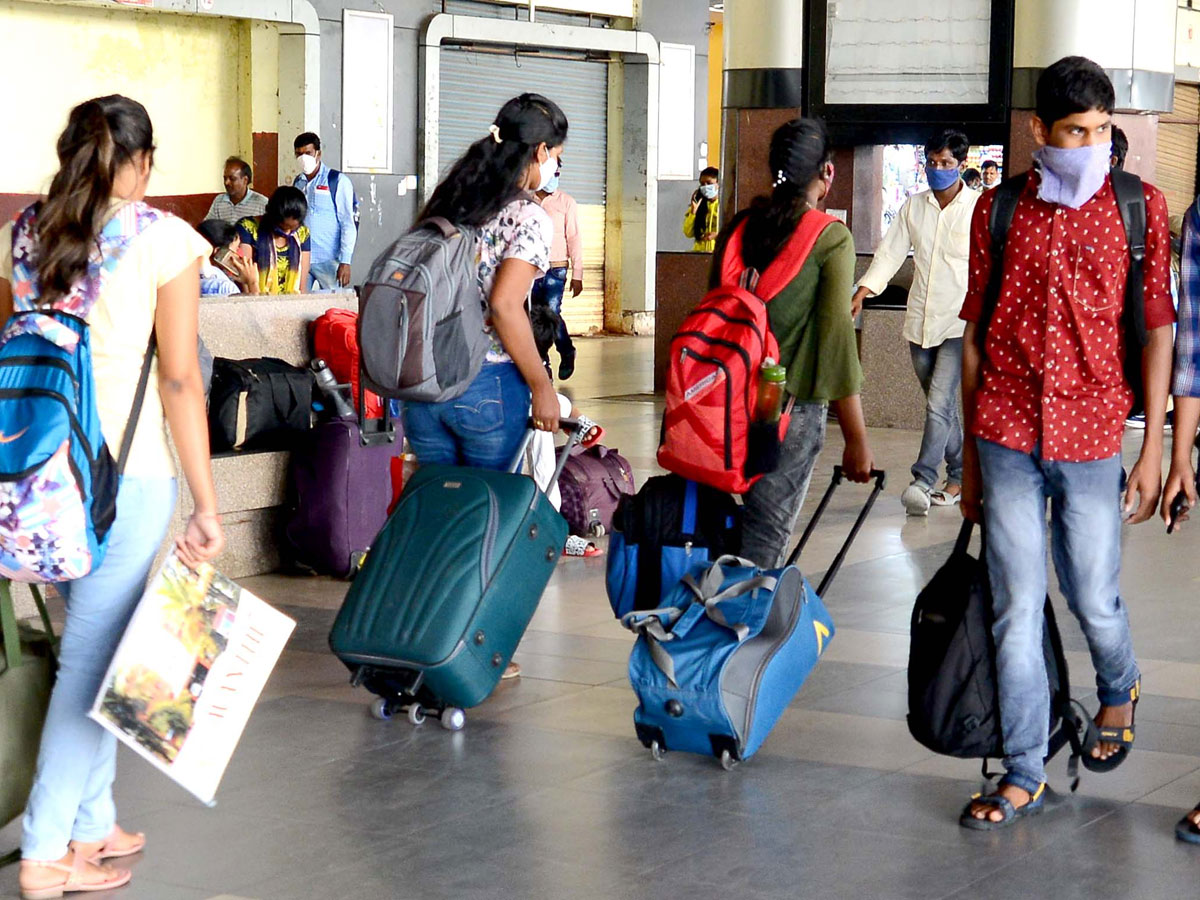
{"points": [[688, 351], [489, 539], [76, 428], [752, 705], [733, 320]]}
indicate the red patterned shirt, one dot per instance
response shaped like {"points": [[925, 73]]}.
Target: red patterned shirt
{"points": [[1052, 371]]}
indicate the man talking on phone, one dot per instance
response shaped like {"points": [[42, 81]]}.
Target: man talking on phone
{"points": [[331, 217]]}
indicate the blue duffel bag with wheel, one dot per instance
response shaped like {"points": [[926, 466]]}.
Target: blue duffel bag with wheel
{"points": [[718, 662]]}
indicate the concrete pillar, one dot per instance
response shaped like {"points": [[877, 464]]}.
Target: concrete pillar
{"points": [[764, 47], [1133, 40]]}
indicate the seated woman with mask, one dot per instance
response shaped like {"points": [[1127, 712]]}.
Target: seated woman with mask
{"points": [[278, 242]]}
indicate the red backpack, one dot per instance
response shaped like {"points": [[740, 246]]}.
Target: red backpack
{"points": [[334, 338], [712, 378]]}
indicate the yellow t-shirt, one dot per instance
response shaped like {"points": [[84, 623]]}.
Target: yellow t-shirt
{"points": [[120, 325]]}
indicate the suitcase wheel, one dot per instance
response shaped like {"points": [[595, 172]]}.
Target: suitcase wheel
{"points": [[657, 751], [453, 718], [596, 529], [381, 709], [727, 761]]}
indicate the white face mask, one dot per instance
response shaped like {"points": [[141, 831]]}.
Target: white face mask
{"points": [[546, 171], [308, 163]]}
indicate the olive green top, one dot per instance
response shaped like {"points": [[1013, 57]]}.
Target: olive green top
{"points": [[811, 320]]}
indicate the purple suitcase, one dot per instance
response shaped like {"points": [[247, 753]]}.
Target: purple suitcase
{"points": [[340, 492], [593, 482]]}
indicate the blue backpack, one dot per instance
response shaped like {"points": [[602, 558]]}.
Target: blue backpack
{"points": [[58, 480]]}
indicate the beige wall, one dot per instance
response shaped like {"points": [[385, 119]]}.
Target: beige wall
{"points": [[207, 82]]}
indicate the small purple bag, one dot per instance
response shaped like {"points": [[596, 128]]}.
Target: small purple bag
{"points": [[593, 482]]}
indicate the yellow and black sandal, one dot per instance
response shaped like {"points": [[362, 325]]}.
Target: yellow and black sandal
{"points": [[1009, 813], [1122, 736]]}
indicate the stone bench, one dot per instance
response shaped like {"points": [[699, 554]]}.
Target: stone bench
{"points": [[251, 486]]}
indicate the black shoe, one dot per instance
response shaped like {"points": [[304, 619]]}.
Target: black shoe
{"points": [[566, 367]]}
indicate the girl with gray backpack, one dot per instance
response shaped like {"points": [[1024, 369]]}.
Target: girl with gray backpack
{"points": [[464, 363]]}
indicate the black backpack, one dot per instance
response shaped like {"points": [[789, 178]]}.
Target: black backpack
{"points": [[1131, 200], [659, 532], [953, 707]]}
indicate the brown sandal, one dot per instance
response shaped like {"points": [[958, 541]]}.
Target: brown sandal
{"points": [[73, 883]]}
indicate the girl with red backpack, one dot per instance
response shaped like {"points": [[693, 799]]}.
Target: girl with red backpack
{"points": [[810, 317]]}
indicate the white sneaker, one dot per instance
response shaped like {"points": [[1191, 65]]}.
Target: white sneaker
{"points": [[916, 499]]}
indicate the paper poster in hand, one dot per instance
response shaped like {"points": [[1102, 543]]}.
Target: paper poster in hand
{"points": [[188, 671]]}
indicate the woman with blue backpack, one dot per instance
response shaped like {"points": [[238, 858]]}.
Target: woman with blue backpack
{"points": [[106, 289], [810, 317]]}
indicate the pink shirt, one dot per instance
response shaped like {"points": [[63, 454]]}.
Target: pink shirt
{"points": [[566, 242]]}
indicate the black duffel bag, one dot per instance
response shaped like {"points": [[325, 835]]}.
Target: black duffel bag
{"points": [[258, 404], [953, 705]]}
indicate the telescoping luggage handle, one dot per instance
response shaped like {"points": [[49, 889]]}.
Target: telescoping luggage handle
{"points": [[880, 477], [576, 430]]}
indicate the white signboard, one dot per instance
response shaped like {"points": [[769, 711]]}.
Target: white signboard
{"points": [[935, 52], [367, 52], [621, 8], [677, 112]]}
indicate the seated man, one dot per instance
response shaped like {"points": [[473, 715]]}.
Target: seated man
{"points": [[238, 201]]}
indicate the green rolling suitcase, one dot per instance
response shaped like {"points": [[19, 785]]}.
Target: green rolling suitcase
{"points": [[448, 589]]}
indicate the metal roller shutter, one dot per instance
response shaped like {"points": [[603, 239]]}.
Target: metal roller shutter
{"points": [[1178, 135], [475, 84]]}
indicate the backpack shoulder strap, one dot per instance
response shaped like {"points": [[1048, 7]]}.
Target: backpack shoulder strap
{"points": [[1004, 207], [1131, 200], [787, 265]]}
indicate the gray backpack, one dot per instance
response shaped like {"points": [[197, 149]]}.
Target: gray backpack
{"points": [[420, 324]]}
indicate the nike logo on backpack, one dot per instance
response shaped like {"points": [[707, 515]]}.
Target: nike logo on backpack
{"points": [[4, 439]]}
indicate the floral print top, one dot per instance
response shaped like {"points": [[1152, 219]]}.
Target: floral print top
{"points": [[522, 230]]}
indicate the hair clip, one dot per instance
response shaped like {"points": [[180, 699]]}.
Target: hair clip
{"points": [[780, 178], [494, 130]]}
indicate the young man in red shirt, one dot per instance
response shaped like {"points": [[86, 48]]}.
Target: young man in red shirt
{"points": [[1046, 400]]}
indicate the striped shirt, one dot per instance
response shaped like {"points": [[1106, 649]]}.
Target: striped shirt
{"points": [[1186, 382], [253, 204]]}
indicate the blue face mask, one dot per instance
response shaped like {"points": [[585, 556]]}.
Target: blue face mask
{"points": [[1071, 176], [941, 179], [709, 191], [551, 186]]}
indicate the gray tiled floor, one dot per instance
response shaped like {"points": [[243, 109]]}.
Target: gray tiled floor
{"points": [[546, 794]]}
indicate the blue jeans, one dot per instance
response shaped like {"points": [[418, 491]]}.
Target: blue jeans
{"points": [[939, 369], [548, 291], [72, 791], [325, 274], [483, 428], [1085, 520]]}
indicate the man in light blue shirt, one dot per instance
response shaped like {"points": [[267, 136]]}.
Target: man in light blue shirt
{"points": [[331, 215]]}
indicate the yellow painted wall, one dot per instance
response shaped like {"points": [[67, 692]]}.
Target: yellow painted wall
{"points": [[188, 71], [716, 85]]}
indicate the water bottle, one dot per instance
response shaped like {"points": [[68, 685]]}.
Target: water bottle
{"points": [[330, 388], [772, 379]]}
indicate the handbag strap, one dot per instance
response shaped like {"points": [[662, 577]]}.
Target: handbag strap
{"points": [[135, 412]]}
